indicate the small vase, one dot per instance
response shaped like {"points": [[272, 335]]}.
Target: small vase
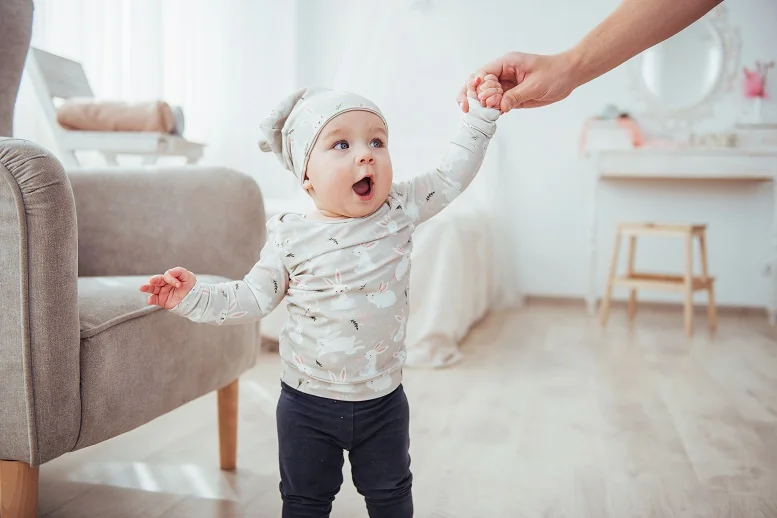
{"points": [[756, 115]]}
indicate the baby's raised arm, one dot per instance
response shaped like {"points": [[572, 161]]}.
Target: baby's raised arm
{"points": [[429, 193]]}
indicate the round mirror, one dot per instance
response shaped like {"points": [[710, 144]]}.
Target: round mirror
{"points": [[678, 81], [683, 70]]}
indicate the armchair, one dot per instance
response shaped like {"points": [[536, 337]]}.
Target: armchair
{"points": [[82, 357]]}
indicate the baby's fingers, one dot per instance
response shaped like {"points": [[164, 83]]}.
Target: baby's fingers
{"points": [[157, 280], [171, 279], [485, 94], [182, 274], [494, 101], [487, 85], [153, 284]]}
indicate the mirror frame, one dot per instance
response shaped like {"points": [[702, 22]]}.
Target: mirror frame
{"points": [[648, 106]]}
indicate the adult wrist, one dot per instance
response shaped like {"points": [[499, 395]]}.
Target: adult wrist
{"points": [[577, 65]]}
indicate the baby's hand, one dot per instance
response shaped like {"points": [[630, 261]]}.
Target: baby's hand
{"points": [[169, 289], [490, 91]]}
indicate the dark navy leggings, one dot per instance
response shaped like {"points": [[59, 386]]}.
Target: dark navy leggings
{"points": [[314, 431]]}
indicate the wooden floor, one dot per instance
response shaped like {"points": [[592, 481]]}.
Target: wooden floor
{"points": [[547, 416]]}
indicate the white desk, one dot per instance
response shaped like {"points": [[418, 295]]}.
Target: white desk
{"points": [[731, 164]]}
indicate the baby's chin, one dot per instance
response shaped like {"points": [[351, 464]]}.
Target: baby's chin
{"points": [[359, 209]]}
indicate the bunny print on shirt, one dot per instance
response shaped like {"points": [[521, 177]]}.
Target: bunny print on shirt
{"points": [[346, 281]]}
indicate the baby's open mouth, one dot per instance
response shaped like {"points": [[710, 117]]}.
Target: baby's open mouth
{"points": [[363, 187]]}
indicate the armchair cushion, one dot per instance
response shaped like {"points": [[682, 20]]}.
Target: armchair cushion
{"points": [[139, 362]]}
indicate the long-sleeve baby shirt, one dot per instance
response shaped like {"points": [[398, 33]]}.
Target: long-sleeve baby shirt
{"points": [[345, 280]]}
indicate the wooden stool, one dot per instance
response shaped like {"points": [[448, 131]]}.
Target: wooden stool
{"points": [[685, 283]]}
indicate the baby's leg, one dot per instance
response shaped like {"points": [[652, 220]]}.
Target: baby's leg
{"points": [[380, 458], [311, 431]]}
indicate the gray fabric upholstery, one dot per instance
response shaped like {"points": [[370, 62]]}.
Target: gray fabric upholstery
{"points": [[137, 221], [40, 410], [139, 362], [83, 359], [15, 34]]}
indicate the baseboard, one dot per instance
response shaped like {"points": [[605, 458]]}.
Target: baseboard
{"points": [[572, 301]]}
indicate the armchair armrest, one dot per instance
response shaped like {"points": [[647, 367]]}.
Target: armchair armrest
{"points": [[140, 221], [40, 402]]}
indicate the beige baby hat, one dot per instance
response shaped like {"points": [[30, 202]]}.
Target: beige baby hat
{"points": [[293, 126]]}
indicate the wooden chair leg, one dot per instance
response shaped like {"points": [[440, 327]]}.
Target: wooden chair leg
{"points": [[630, 271], [604, 311], [689, 285], [18, 490], [712, 316], [227, 409]]}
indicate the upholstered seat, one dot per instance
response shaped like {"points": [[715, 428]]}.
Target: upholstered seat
{"points": [[83, 358], [132, 346]]}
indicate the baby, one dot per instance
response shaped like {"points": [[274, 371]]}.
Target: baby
{"points": [[344, 271]]}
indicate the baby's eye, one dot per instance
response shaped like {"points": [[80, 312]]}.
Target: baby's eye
{"points": [[341, 145], [376, 143]]}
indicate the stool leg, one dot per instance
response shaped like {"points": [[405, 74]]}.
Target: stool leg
{"points": [[711, 312], [630, 271], [689, 285], [604, 312]]}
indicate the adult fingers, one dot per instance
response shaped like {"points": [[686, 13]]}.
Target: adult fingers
{"points": [[461, 99], [534, 103], [471, 92], [464, 94], [516, 96]]}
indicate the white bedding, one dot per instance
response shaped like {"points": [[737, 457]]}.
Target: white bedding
{"points": [[451, 285]]}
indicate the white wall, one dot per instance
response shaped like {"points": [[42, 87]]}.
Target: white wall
{"points": [[421, 59]]}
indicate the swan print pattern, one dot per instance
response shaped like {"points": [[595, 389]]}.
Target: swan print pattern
{"points": [[345, 282]]}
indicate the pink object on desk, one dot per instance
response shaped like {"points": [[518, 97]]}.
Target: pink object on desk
{"points": [[754, 84], [625, 123]]}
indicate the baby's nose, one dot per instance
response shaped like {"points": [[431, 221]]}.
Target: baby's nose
{"points": [[366, 158]]}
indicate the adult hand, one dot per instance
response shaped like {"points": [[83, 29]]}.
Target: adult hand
{"points": [[528, 80]]}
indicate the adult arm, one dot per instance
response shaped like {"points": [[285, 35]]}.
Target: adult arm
{"points": [[634, 26], [533, 80]]}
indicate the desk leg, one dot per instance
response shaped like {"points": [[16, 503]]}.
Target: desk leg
{"points": [[591, 299], [772, 309]]}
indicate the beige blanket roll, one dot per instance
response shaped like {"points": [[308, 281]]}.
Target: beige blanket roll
{"points": [[93, 115]]}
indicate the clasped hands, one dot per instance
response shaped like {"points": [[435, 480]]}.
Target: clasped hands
{"points": [[486, 89]]}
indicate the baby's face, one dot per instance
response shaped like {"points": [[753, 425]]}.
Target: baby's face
{"points": [[349, 173]]}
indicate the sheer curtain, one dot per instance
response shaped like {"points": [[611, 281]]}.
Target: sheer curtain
{"points": [[226, 63]]}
